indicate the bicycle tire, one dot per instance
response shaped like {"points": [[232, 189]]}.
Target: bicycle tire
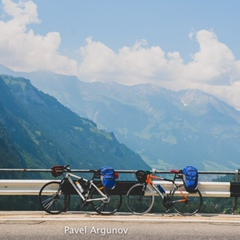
{"points": [[52, 199], [187, 208], [138, 200], [109, 206]]}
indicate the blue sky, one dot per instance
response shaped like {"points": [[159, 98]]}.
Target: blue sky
{"points": [[123, 22], [176, 44]]}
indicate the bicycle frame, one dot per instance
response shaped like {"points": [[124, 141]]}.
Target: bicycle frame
{"points": [[91, 185], [150, 179], [54, 196], [140, 197]]}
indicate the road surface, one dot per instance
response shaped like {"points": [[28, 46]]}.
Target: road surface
{"points": [[90, 226]]}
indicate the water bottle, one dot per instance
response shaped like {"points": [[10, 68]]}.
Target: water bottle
{"points": [[161, 189], [79, 187]]}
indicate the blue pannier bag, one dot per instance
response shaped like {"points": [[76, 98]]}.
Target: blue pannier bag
{"points": [[190, 178], [108, 177]]}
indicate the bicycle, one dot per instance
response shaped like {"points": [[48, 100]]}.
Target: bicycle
{"points": [[54, 196], [140, 197]]}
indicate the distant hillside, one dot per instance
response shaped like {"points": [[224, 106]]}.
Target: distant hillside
{"points": [[36, 131], [9, 156], [167, 128], [8, 153]]}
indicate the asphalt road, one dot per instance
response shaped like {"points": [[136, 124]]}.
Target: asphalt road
{"points": [[38, 225]]}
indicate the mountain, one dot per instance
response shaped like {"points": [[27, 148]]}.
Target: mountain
{"points": [[36, 131], [167, 128]]}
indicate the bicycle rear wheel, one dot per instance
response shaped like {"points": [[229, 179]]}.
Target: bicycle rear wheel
{"points": [[186, 203], [109, 206], [52, 199], [140, 198]]}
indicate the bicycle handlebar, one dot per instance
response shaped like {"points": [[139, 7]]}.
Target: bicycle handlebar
{"points": [[67, 168]]}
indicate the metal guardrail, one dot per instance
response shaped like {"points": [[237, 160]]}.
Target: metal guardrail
{"points": [[208, 189], [47, 170], [32, 187]]}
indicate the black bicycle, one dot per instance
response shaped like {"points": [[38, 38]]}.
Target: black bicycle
{"points": [[54, 196]]}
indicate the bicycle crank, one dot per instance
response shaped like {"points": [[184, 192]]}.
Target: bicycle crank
{"points": [[167, 202]]}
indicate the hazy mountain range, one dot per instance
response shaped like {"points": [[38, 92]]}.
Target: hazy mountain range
{"points": [[166, 128], [36, 131]]}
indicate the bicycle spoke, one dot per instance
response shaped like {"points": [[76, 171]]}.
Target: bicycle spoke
{"points": [[186, 203], [100, 206], [47, 203], [105, 206], [52, 200]]}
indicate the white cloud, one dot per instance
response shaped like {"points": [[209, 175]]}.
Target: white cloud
{"points": [[22, 12], [232, 94], [213, 68], [22, 49], [213, 60], [98, 61], [130, 65]]}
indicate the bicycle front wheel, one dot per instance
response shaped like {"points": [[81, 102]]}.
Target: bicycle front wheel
{"points": [[140, 198], [52, 199], [186, 203], [105, 206]]}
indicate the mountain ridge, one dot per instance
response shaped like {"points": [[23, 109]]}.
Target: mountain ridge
{"points": [[166, 128], [45, 133], [162, 125]]}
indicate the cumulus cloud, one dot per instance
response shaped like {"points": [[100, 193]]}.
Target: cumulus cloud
{"points": [[23, 50], [214, 63], [23, 12], [213, 60], [130, 65], [213, 68]]}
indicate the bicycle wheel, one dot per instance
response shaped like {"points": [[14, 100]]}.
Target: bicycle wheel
{"points": [[140, 198], [109, 206], [187, 207], [52, 199]]}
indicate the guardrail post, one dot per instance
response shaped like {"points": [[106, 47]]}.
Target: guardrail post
{"points": [[236, 179]]}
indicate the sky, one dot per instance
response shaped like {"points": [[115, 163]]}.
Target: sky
{"points": [[175, 44]]}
